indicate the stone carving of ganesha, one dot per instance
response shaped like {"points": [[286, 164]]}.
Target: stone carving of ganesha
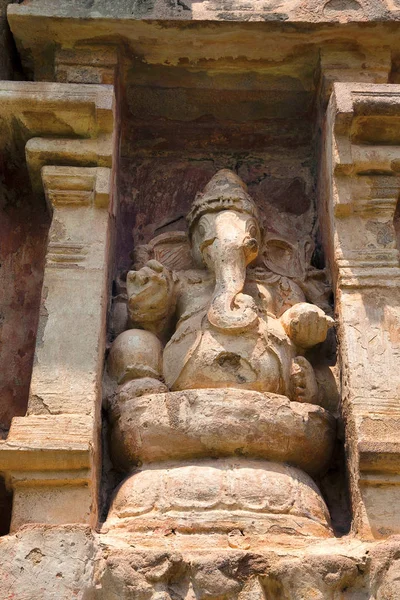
{"points": [[214, 367], [232, 328]]}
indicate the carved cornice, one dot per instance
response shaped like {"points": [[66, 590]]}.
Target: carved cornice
{"points": [[366, 182], [56, 124], [77, 110]]}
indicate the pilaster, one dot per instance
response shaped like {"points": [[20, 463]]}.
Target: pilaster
{"points": [[51, 457], [360, 187]]}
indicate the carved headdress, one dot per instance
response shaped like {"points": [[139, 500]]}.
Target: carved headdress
{"points": [[225, 191]]}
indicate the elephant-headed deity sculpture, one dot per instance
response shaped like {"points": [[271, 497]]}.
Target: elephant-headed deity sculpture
{"points": [[225, 325], [215, 346]]}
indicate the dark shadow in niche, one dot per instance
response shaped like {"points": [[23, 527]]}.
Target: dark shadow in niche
{"points": [[24, 224], [110, 476], [335, 488], [334, 482], [5, 508]]}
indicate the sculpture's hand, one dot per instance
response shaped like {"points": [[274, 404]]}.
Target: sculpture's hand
{"points": [[303, 382], [150, 292], [306, 324]]}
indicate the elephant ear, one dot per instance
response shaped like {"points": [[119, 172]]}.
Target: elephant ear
{"points": [[283, 258], [171, 249]]}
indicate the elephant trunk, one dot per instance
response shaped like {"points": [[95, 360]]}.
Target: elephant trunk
{"points": [[230, 309]]}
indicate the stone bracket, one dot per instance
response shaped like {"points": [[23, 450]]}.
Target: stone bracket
{"points": [[77, 186]]}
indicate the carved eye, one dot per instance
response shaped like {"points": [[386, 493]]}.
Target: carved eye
{"points": [[202, 229], [252, 229]]}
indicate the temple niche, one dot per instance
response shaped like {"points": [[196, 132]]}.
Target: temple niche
{"points": [[201, 312], [213, 365]]}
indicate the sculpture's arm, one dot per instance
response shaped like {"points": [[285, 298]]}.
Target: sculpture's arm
{"points": [[306, 325], [152, 294]]}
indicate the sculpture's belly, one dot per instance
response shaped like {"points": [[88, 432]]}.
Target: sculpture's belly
{"points": [[212, 359]]}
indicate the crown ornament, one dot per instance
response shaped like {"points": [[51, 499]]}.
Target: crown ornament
{"points": [[225, 191]]}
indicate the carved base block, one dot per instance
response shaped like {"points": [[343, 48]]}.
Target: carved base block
{"points": [[47, 461], [55, 503], [218, 423], [53, 562], [220, 496]]}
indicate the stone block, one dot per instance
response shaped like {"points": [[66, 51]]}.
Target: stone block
{"points": [[43, 563]]}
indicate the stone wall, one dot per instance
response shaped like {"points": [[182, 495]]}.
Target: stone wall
{"points": [[23, 231], [21, 262], [15, 368], [240, 430]]}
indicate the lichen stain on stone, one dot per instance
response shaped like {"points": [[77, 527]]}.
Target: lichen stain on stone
{"points": [[342, 5], [392, 325], [37, 406], [58, 230], [35, 555], [43, 318], [55, 125]]}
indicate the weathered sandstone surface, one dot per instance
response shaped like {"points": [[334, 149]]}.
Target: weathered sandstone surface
{"points": [[200, 311]]}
